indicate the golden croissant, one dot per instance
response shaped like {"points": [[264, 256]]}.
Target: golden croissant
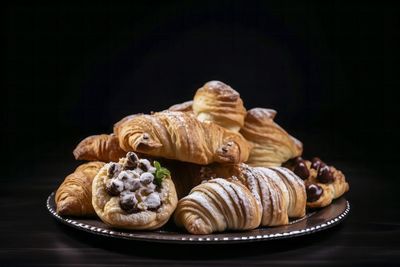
{"points": [[103, 147], [219, 103], [278, 193], [272, 145], [180, 136], [323, 183], [74, 195]]}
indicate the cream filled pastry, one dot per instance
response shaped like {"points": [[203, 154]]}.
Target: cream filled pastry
{"points": [[134, 194]]}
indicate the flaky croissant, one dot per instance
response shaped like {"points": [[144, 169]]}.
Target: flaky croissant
{"points": [[103, 147], [272, 145], [178, 135], [278, 193], [219, 103], [184, 107], [218, 205], [74, 195]]}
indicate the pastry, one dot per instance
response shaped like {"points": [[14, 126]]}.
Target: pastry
{"points": [[74, 195], [103, 147], [216, 206], [134, 194], [272, 145], [180, 136], [278, 193], [219, 103], [184, 107], [323, 183]]}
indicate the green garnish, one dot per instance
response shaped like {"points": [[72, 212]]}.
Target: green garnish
{"points": [[161, 173]]}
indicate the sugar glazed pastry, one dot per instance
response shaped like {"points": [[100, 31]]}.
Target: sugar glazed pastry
{"points": [[219, 103], [74, 196], [103, 147], [272, 145], [134, 194], [180, 136], [278, 195], [323, 183]]}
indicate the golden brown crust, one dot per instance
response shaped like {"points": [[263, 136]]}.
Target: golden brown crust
{"points": [[178, 135], [219, 103], [331, 191], [216, 206], [279, 195], [109, 211], [272, 145], [103, 147], [74, 195]]}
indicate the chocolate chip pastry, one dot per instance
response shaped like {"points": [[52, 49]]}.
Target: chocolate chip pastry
{"points": [[134, 194], [323, 183]]}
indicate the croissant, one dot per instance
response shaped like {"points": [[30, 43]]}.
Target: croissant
{"points": [[180, 136], [103, 147], [219, 103], [74, 195], [272, 145], [134, 194], [278, 193], [218, 205], [323, 183]]}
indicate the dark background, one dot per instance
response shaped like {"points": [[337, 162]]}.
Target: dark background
{"points": [[329, 69]]}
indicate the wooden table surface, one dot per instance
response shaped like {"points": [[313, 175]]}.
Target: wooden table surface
{"points": [[31, 237]]}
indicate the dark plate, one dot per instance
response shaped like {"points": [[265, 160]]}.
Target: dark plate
{"points": [[314, 221]]}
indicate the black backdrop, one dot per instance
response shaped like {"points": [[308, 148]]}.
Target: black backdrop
{"points": [[72, 70]]}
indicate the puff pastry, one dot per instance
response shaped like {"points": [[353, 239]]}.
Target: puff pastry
{"points": [[272, 145], [323, 183], [131, 194], [216, 206], [219, 103], [279, 194], [74, 195], [180, 136], [103, 147]]}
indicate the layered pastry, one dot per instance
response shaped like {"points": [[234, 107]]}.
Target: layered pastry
{"points": [[184, 107], [323, 183], [268, 195], [74, 195], [134, 194], [219, 103], [180, 136], [272, 145], [102, 147]]}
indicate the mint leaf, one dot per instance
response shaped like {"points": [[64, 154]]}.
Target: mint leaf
{"points": [[161, 173]]}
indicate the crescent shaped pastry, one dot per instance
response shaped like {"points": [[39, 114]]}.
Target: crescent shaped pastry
{"points": [[219, 103], [180, 136], [272, 145], [134, 194], [103, 147], [74, 195], [216, 206]]}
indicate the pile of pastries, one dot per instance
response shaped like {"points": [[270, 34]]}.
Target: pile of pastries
{"points": [[208, 164]]}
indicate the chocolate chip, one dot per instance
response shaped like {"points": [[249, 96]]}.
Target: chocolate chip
{"points": [[145, 136], [314, 192], [298, 159], [112, 188], [301, 170], [325, 175]]}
